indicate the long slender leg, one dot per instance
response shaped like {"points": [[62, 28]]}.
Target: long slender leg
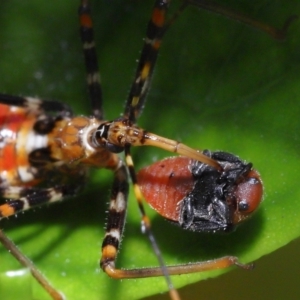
{"points": [[36, 105], [91, 62], [276, 33], [189, 268], [27, 263]]}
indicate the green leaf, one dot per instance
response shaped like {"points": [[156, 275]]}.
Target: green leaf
{"points": [[218, 85]]}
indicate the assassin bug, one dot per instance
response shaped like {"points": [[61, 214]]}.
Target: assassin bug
{"points": [[40, 157]]}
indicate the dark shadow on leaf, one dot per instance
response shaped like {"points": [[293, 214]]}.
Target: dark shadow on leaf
{"points": [[191, 246]]}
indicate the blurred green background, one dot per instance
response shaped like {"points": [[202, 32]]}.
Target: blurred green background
{"points": [[218, 85]]}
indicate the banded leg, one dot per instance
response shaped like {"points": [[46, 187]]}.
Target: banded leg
{"points": [[116, 221], [35, 105], [140, 86], [91, 62], [133, 108], [115, 226], [27, 198]]}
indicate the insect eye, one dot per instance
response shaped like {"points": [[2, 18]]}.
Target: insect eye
{"points": [[243, 206], [248, 195]]}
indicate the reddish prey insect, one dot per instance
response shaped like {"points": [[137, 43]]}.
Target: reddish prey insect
{"points": [[199, 197], [200, 191]]}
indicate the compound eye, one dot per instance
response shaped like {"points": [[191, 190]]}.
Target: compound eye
{"points": [[243, 206], [248, 195]]}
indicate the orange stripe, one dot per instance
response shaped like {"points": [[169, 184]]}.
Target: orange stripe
{"points": [[156, 44], [6, 210], [109, 252], [4, 112], [86, 21], [158, 17], [146, 70], [9, 158]]}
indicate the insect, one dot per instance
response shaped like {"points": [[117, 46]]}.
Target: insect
{"points": [[45, 125], [199, 197]]}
